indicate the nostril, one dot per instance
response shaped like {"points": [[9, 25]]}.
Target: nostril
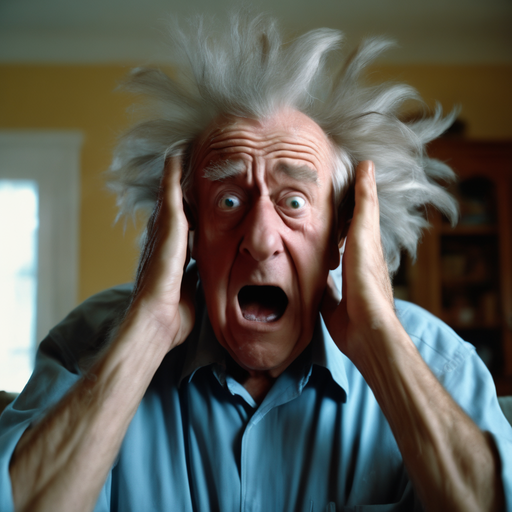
{"points": [[260, 250], [260, 244]]}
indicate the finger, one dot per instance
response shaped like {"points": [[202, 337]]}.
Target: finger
{"points": [[366, 198], [172, 197], [367, 219], [345, 213], [164, 254]]}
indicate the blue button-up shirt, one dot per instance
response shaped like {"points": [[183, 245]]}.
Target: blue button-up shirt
{"points": [[318, 441]]}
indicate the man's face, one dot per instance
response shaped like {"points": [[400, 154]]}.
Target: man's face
{"points": [[264, 240]]}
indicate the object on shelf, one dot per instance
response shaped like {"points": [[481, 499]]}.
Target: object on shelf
{"points": [[467, 258], [477, 201], [453, 265], [459, 311]]}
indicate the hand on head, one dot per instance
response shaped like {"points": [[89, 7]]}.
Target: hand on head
{"points": [[367, 297], [162, 289]]}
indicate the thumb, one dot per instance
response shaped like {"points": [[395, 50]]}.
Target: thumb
{"points": [[331, 301]]}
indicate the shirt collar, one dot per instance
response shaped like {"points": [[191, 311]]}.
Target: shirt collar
{"points": [[203, 350], [326, 354]]}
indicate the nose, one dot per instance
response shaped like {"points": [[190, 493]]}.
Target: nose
{"points": [[261, 231]]}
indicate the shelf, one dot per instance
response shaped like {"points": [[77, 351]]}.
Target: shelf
{"points": [[464, 274], [457, 282], [474, 325], [469, 230]]}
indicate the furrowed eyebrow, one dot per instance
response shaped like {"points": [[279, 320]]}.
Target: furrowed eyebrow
{"points": [[299, 172], [223, 170]]}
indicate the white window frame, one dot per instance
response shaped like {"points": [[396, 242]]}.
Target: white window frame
{"points": [[52, 159]]}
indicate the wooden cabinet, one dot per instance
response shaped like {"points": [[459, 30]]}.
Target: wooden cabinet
{"points": [[464, 274]]}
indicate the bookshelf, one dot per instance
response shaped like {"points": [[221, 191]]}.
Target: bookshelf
{"points": [[464, 274]]}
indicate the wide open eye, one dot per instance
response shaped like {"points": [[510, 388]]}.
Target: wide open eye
{"points": [[295, 202], [229, 202]]}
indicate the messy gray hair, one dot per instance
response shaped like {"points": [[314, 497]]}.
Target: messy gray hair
{"points": [[247, 70]]}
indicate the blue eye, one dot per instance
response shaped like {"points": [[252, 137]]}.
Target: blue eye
{"points": [[229, 202], [295, 202]]}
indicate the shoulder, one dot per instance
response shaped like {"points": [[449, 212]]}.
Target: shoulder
{"points": [[85, 329], [97, 309], [441, 347]]}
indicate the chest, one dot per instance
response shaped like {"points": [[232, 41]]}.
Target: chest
{"points": [[203, 448]]}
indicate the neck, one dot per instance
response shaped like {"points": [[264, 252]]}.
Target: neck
{"points": [[258, 386], [257, 383]]}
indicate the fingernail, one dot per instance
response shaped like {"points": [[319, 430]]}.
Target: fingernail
{"points": [[368, 167]]}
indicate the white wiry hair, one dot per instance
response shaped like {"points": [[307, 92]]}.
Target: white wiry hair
{"points": [[247, 70]]}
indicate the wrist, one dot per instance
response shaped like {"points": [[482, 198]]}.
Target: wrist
{"points": [[379, 347], [151, 323]]}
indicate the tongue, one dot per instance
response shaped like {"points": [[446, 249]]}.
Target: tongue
{"points": [[256, 312], [262, 303]]}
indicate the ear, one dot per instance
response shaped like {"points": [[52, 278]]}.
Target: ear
{"points": [[334, 256], [190, 214], [192, 244], [345, 214], [345, 211]]}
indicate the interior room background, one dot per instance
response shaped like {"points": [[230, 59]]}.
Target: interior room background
{"points": [[61, 62]]}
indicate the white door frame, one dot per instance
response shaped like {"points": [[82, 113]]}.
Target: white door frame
{"points": [[52, 159]]}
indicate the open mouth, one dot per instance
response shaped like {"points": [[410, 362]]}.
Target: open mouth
{"points": [[262, 303]]}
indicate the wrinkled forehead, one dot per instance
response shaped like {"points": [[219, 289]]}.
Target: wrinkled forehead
{"points": [[286, 135]]}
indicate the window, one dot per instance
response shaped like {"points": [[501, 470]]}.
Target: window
{"points": [[19, 221], [39, 207]]}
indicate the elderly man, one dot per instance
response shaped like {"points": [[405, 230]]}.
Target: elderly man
{"points": [[239, 396]]}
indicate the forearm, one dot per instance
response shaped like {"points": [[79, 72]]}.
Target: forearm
{"points": [[62, 462], [452, 464]]}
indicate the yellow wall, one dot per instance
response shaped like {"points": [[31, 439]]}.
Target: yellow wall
{"points": [[482, 92], [79, 97], [82, 97]]}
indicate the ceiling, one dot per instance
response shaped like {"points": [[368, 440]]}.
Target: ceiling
{"points": [[133, 31]]}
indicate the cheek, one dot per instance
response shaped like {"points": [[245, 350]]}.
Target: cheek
{"points": [[315, 241], [214, 252], [310, 251]]}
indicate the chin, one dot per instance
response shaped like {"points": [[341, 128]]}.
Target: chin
{"points": [[259, 357], [262, 327], [266, 348]]}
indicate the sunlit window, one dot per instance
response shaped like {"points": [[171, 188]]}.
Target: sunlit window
{"points": [[18, 281]]}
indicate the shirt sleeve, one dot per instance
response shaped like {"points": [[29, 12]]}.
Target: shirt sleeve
{"points": [[47, 385], [473, 388], [57, 369], [465, 376]]}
